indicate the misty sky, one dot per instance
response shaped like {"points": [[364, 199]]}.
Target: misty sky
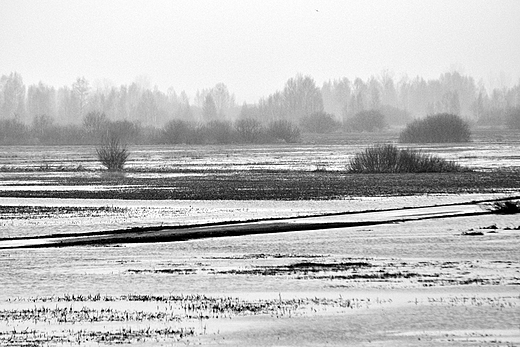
{"points": [[255, 46]]}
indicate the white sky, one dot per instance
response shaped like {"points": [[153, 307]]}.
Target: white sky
{"points": [[255, 46]]}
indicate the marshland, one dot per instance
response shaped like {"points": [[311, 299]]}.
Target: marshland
{"points": [[395, 259], [268, 173]]}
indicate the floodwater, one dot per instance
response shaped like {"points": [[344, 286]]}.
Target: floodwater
{"points": [[485, 153], [438, 282]]}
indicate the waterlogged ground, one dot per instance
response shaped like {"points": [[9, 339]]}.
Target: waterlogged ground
{"points": [[416, 283], [485, 153], [450, 281]]}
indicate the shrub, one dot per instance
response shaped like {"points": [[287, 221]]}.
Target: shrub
{"points": [[111, 153], [513, 118], [369, 121], [438, 128], [390, 159], [283, 130], [249, 130], [125, 130], [177, 131], [13, 132], [220, 132], [319, 122]]}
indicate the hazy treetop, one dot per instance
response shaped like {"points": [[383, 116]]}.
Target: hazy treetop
{"points": [[255, 46]]}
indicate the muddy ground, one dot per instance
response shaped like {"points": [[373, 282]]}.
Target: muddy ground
{"points": [[450, 276], [257, 185]]}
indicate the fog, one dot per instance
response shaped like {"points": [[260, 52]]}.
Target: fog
{"points": [[147, 64], [255, 47]]}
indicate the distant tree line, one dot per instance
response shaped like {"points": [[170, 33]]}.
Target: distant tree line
{"points": [[96, 126], [43, 114]]}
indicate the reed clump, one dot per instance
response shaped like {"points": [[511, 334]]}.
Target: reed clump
{"points": [[390, 159]]}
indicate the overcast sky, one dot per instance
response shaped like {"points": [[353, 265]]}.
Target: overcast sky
{"points": [[255, 46]]}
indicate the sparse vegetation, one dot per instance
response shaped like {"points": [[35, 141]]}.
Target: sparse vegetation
{"points": [[112, 153], [390, 159], [438, 128]]}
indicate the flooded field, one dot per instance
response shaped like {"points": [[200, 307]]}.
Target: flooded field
{"points": [[449, 277], [486, 152]]}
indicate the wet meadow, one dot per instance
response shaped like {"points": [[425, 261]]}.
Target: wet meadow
{"points": [[401, 260]]}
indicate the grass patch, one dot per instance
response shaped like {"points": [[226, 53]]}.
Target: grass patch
{"points": [[390, 159]]}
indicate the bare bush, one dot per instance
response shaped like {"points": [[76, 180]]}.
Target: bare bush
{"points": [[249, 130], [220, 132], [369, 121], [178, 131], [283, 130], [319, 123], [112, 153], [390, 159]]}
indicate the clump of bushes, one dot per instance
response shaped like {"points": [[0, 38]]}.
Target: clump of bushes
{"points": [[366, 121], [513, 118], [283, 130], [220, 132], [249, 130], [13, 132], [112, 153], [243, 130], [178, 131], [438, 128], [319, 123], [390, 159]]}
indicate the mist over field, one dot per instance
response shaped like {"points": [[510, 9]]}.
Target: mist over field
{"points": [[71, 114], [260, 173], [70, 68]]}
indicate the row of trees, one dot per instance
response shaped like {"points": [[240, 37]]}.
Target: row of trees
{"points": [[441, 127], [96, 126], [399, 101]]}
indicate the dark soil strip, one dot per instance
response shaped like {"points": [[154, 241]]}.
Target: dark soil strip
{"points": [[277, 185], [185, 233], [252, 221]]}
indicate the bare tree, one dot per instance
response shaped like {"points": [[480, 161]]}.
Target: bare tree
{"points": [[81, 89]]}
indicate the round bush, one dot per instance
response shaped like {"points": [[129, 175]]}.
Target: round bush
{"points": [[390, 159], [369, 121], [319, 123], [438, 128]]}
